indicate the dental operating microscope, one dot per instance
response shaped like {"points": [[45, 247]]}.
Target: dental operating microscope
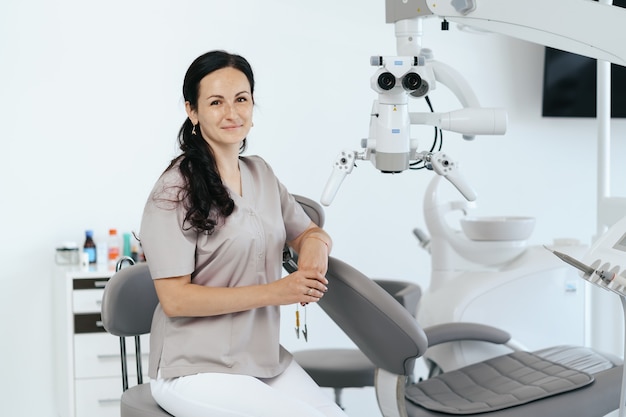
{"points": [[412, 74], [561, 24], [578, 26]]}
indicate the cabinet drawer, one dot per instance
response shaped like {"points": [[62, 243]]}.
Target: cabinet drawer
{"points": [[89, 283], [98, 397], [88, 323], [87, 301], [98, 355]]}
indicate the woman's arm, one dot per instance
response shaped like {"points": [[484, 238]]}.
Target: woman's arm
{"points": [[313, 247], [179, 297]]}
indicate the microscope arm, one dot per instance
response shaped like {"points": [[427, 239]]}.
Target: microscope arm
{"points": [[580, 26], [453, 79]]}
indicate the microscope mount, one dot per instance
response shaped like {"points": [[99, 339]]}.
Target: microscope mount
{"points": [[554, 23]]}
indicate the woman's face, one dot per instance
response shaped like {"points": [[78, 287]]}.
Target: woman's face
{"points": [[224, 111]]}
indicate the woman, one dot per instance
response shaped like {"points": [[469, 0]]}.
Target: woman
{"points": [[213, 230]]}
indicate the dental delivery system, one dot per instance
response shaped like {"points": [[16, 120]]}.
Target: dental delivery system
{"points": [[606, 277], [604, 264]]}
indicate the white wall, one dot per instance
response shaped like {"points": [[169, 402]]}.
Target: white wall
{"points": [[90, 104]]}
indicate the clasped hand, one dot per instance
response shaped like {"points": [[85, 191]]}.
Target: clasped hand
{"points": [[308, 284]]}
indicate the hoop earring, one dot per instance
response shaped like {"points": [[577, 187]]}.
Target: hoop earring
{"points": [[193, 131]]}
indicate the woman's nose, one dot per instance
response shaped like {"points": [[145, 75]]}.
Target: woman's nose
{"points": [[231, 111]]}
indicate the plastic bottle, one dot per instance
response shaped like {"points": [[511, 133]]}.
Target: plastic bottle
{"points": [[89, 247], [127, 247], [114, 247]]}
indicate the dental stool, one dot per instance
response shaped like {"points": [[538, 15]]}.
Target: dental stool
{"points": [[128, 303], [349, 368]]}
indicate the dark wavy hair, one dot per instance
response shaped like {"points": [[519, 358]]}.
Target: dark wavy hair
{"points": [[205, 197]]}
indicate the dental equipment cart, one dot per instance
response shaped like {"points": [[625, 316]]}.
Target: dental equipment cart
{"points": [[88, 374]]}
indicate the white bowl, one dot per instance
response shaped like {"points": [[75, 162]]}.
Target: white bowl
{"points": [[497, 228]]}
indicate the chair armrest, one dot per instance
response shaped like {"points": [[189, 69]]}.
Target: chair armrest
{"points": [[455, 332]]}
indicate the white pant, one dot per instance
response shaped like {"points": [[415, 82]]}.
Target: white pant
{"points": [[292, 393]]}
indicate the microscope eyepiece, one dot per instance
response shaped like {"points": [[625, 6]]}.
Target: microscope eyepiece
{"points": [[411, 81], [386, 81]]}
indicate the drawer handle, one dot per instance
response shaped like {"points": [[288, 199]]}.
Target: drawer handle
{"points": [[99, 284], [99, 323], [108, 401], [109, 356], [117, 356]]}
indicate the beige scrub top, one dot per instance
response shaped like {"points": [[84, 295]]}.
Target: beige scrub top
{"points": [[245, 249]]}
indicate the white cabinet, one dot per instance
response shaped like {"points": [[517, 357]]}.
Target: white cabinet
{"points": [[88, 373]]}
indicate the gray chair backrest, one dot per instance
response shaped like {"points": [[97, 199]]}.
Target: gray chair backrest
{"points": [[406, 293], [367, 313], [129, 301], [312, 209], [371, 317]]}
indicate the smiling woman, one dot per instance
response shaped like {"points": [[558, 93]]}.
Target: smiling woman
{"points": [[224, 117], [213, 231]]}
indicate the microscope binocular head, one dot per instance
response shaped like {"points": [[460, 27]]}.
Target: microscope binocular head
{"points": [[398, 75]]}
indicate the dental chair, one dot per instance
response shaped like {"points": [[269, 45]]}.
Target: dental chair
{"points": [[556, 382], [340, 368]]}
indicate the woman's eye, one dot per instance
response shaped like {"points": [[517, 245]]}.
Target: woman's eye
{"points": [[242, 99], [215, 103]]}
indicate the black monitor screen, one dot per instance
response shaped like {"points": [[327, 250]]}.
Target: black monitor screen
{"points": [[569, 84]]}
